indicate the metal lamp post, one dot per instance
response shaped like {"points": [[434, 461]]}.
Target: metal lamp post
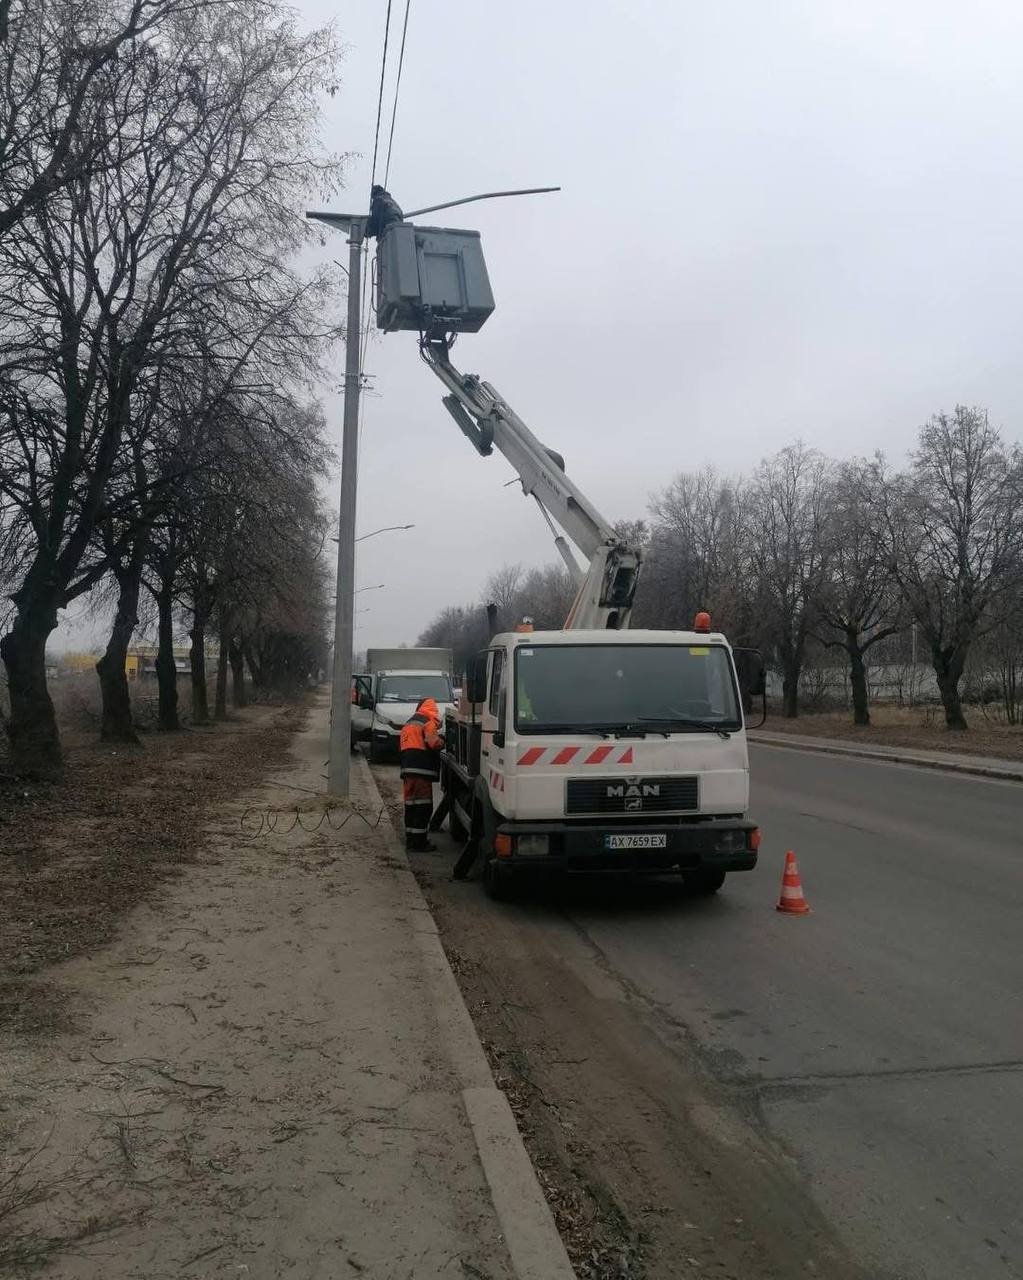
{"points": [[339, 756]]}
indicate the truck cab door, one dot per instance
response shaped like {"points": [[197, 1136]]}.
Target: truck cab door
{"points": [[362, 706], [492, 714]]}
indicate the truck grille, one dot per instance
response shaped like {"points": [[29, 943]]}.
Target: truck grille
{"points": [[632, 795]]}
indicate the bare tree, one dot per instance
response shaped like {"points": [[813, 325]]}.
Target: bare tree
{"points": [[859, 604], [460, 628], [53, 56], [696, 556], [501, 589], [786, 504], [545, 595], [956, 524], [1002, 657], [207, 143]]}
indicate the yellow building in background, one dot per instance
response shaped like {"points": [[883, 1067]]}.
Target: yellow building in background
{"points": [[77, 663], [138, 662]]}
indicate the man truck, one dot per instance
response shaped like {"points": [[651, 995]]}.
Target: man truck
{"points": [[593, 747]]}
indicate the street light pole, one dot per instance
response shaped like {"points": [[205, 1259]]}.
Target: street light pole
{"points": [[339, 752]]}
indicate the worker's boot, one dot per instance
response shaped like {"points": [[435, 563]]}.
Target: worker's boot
{"points": [[419, 844]]}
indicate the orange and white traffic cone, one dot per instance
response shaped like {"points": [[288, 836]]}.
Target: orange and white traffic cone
{"points": [[792, 901]]}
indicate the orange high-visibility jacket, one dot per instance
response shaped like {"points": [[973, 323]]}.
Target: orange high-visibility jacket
{"points": [[420, 743]]}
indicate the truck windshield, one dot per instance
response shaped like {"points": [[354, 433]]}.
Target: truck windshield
{"points": [[411, 688], [651, 688]]}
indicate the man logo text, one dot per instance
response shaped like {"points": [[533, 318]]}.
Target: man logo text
{"points": [[622, 790]]}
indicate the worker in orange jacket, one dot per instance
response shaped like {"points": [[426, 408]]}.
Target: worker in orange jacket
{"points": [[419, 764]]}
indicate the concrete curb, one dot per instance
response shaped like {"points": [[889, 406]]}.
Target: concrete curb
{"points": [[892, 757], [534, 1246]]}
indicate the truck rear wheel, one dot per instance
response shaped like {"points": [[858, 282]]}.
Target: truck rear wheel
{"points": [[703, 882]]}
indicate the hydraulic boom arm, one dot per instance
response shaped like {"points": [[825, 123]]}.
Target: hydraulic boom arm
{"points": [[607, 587]]}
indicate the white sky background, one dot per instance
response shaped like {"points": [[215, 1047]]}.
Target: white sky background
{"points": [[790, 219]]}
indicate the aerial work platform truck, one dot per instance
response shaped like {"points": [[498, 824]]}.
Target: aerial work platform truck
{"points": [[593, 748]]}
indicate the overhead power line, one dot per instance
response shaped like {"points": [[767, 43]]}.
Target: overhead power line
{"points": [[380, 95], [397, 87], [364, 336]]}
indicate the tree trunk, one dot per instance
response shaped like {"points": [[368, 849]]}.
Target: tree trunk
{"points": [[254, 666], [790, 654], [948, 667], [237, 659], [197, 661], [790, 694], [32, 728], [948, 684], [858, 680], [220, 705], [166, 669], [116, 724]]}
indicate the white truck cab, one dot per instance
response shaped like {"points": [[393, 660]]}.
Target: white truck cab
{"points": [[604, 751]]}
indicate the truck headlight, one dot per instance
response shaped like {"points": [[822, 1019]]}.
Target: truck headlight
{"points": [[731, 841], [532, 846]]}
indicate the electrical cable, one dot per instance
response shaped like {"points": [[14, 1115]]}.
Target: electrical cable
{"points": [[380, 96], [366, 304], [397, 86], [366, 298]]}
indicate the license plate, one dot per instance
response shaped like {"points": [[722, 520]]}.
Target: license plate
{"points": [[636, 842]]}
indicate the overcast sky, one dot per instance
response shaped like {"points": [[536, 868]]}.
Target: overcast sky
{"points": [[778, 220]]}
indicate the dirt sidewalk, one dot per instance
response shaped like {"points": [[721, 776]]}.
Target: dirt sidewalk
{"points": [[264, 1084]]}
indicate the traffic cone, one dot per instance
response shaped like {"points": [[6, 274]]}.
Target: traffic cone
{"points": [[792, 901]]}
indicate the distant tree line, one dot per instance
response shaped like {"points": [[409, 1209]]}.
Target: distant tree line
{"points": [[808, 557], [158, 435]]}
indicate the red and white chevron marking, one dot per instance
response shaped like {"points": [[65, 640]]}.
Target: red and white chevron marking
{"points": [[574, 756]]}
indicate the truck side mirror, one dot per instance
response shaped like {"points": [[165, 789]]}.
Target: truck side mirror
{"points": [[752, 675], [749, 667], [476, 678], [365, 702]]}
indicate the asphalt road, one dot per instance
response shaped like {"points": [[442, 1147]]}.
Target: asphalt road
{"points": [[881, 1036]]}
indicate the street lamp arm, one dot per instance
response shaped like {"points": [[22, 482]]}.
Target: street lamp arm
{"points": [[487, 195], [390, 528]]}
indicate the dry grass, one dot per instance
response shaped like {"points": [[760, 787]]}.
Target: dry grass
{"points": [[23, 1187], [76, 856], [921, 727]]}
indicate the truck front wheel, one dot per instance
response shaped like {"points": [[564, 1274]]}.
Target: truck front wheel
{"points": [[458, 831], [497, 879], [703, 882]]}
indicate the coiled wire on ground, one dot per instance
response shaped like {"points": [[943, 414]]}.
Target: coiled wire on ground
{"points": [[259, 821]]}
